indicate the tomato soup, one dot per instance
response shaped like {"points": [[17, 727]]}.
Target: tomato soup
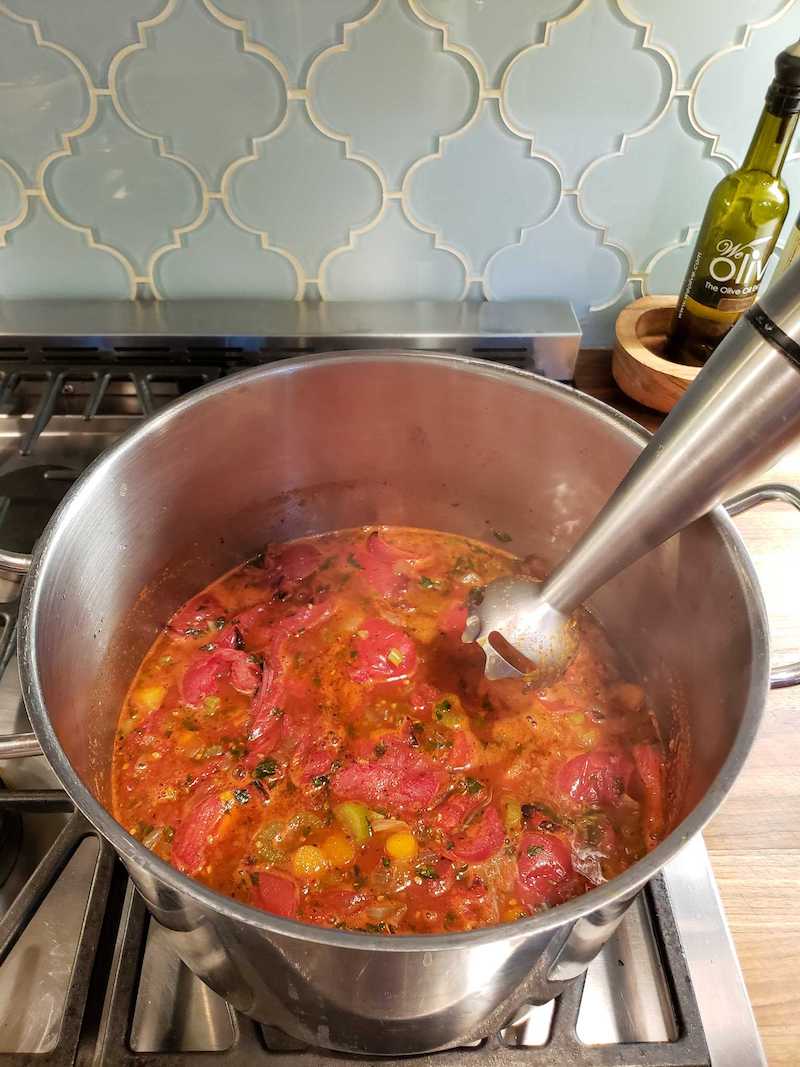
{"points": [[310, 736]]}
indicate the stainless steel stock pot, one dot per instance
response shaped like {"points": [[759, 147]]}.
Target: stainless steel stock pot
{"points": [[340, 440]]}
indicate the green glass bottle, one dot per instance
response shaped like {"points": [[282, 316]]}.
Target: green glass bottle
{"points": [[741, 225], [791, 250]]}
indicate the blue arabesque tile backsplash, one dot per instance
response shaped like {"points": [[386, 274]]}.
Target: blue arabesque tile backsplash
{"points": [[433, 149]]}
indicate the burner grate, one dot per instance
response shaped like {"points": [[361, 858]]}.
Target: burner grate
{"points": [[270, 1047], [83, 390], [24, 907]]}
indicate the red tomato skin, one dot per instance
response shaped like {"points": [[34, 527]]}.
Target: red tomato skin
{"points": [[269, 697], [457, 808], [191, 842], [378, 560], [483, 839], [375, 641], [401, 781], [202, 677], [198, 615], [277, 894], [544, 870], [648, 788], [596, 778], [432, 888], [292, 563]]}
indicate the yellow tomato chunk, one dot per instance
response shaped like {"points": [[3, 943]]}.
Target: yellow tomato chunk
{"points": [[308, 862], [149, 697], [401, 846], [338, 849]]}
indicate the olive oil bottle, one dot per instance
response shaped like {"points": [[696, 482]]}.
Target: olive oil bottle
{"points": [[740, 227], [791, 250]]}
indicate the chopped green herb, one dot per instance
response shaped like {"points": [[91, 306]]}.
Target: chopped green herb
{"points": [[501, 535], [211, 705], [241, 796], [319, 781], [436, 741], [386, 861], [427, 583], [442, 708], [267, 768], [473, 785], [427, 870], [237, 750], [220, 622], [534, 850]]}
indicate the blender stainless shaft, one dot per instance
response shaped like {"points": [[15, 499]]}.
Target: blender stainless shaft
{"points": [[741, 412]]}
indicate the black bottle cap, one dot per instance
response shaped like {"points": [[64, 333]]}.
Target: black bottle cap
{"points": [[783, 95]]}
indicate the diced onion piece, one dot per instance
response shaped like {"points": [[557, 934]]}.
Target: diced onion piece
{"points": [[380, 825], [512, 815], [389, 912]]}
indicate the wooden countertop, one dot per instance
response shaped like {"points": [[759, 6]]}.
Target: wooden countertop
{"points": [[754, 841]]}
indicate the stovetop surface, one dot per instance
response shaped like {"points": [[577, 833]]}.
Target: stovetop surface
{"points": [[86, 977]]}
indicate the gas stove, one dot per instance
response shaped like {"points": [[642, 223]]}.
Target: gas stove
{"points": [[86, 976]]}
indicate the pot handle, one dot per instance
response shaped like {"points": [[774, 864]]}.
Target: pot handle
{"points": [[15, 745], [16, 564], [788, 673]]}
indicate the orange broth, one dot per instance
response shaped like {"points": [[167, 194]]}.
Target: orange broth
{"points": [[309, 735]]}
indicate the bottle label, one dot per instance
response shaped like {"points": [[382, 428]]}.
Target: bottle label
{"points": [[735, 271]]}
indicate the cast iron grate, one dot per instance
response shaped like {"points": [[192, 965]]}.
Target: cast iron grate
{"points": [[41, 391], [39, 380], [115, 914]]}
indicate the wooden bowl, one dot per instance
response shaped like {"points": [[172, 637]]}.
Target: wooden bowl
{"points": [[638, 367]]}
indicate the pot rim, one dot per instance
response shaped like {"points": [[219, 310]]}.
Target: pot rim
{"points": [[620, 888]]}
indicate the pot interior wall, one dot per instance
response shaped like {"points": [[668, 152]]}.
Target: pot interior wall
{"points": [[317, 445]]}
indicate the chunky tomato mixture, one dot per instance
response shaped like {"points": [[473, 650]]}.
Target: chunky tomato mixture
{"points": [[310, 736]]}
